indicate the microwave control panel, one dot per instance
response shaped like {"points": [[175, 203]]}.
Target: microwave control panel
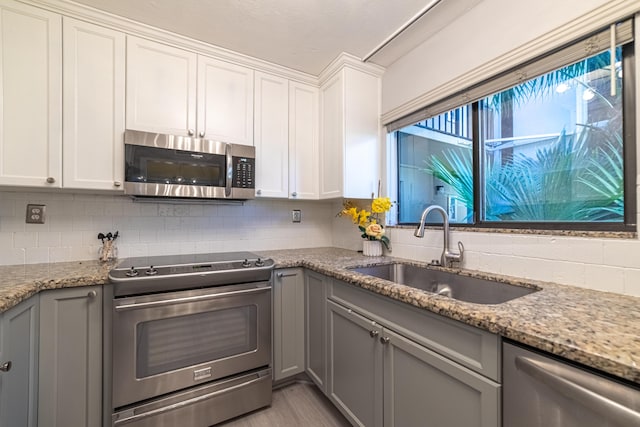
{"points": [[244, 172]]}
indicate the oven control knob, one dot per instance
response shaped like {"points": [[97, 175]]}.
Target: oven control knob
{"points": [[246, 263], [259, 263], [151, 271], [132, 273]]}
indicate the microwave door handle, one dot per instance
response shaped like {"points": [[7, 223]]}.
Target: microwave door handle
{"points": [[608, 408], [229, 158]]}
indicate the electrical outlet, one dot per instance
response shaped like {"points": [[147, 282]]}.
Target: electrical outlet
{"points": [[35, 214], [296, 215]]}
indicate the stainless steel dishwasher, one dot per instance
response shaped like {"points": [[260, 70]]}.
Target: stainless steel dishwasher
{"points": [[543, 391]]}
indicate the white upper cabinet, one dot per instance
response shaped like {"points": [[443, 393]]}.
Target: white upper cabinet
{"points": [[161, 88], [332, 138], [225, 101], [31, 88], [174, 91], [93, 106], [286, 138], [303, 141], [271, 135], [350, 134]]}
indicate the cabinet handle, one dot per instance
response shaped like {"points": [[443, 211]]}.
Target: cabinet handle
{"points": [[384, 340], [294, 194], [91, 294], [5, 367], [201, 134], [190, 132], [51, 180], [373, 333], [258, 192], [286, 274], [117, 184]]}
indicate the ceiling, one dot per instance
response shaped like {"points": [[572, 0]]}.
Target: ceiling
{"points": [[304, 35]]}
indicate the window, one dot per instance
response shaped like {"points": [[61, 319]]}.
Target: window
{"points": [[435, 167], [554, 151]]}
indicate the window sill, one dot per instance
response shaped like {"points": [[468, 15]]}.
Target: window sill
{"points": [[570, 233]]}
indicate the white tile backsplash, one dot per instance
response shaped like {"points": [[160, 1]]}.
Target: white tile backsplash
{"points": [[604, 278], [74, 221], [632, 281], [610, 264]]}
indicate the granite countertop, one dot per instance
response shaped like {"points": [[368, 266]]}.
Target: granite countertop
{"points": [[19, 282], [597, 329]]}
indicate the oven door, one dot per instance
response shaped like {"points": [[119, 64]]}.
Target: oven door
{"points": [[172, 341]]}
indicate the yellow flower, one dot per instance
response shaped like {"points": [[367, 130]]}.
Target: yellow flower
{"points": [[351, 212], [375, 230], [364, 217], [381, 204]]}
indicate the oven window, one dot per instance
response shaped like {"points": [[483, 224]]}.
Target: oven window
{"points": [[179, 342], [163, 166]]}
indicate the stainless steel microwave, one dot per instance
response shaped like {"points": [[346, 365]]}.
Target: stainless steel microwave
{"points": [[158, 165]]}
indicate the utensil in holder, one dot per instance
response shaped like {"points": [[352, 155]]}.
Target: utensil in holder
{"points": [[109, 250]]}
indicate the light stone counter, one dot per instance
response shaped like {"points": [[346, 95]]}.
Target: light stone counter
{"points": [[597, 329], [19, 282]]}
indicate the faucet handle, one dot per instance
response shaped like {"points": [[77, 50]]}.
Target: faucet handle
{"points": [[454, 257], [461, 254]]}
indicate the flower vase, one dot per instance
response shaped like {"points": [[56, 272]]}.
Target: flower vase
{"points": [[372, 247]]}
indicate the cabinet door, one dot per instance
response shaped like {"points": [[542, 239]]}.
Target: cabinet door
{"points": [[19, 347], [350, 135], [288, 323], [315, 328], [31, 88], [161, 88], [93, 103], [225, 101], [355, 366], [71, 357], [362, 134], [271, 135], [332, 137], [303, 141], [422, 388]]}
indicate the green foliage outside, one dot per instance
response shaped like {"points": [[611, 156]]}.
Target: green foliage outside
{"points": [[576, 178]]}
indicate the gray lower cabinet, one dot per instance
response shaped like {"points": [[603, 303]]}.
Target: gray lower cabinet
{"points": [[315, 304], [379, 377], [355, 366], [19, 365], [423, 388], [288, 323], [70, 389]]}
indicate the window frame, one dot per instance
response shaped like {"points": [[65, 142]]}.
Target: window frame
{"points": [[629, 163]]}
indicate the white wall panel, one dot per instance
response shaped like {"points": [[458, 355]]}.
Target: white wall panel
{"points": [[74, 220], [489, 30]]}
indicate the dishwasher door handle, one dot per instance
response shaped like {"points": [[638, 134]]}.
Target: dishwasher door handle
{"points": [[604, 406]]}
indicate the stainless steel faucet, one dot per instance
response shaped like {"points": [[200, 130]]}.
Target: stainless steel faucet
{"points": [[447, 256]]}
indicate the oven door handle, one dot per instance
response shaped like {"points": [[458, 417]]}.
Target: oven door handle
{"points": [[197, 298]]}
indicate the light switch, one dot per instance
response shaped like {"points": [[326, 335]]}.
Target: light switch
{"points": [[296, 215], [35, 214]]}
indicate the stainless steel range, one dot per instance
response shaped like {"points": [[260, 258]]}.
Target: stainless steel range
{"points": [[191, 339]]}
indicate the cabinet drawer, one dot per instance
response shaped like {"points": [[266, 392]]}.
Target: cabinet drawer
{"points": [[474, 348]]}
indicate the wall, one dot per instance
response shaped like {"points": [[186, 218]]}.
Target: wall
{"points": [[604, 264], [74, 221], [483, 34], [487, 31]]}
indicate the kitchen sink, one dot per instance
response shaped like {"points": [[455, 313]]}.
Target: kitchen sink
{"points": [[464, 288]]}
